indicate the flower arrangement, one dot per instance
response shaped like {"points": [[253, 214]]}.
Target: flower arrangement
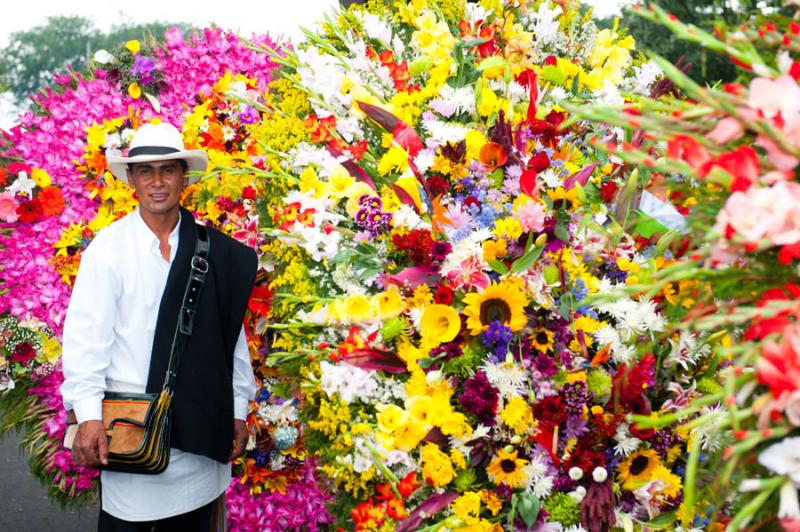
{"points": [[58, 150], [733, 150], [433, 231]]}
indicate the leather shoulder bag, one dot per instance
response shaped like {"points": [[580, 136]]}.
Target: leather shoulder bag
{"points": [[138, 424]]}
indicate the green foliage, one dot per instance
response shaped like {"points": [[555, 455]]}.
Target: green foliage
{"points": [[707, 67], [63, 42]]}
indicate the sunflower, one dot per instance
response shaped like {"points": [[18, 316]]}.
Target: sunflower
{"points": [[542, 339], [504, 302], [638, 468], [564, 199], [507, 469]]}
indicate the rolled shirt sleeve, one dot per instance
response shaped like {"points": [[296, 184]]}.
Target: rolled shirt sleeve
{"points": [[244, 382], [89, 334]]}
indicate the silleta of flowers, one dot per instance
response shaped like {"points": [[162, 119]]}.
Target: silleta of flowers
{"points": [[488, 297], [433, 230]]}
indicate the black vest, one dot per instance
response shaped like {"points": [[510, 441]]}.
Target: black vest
{"points": [[202, 406]]}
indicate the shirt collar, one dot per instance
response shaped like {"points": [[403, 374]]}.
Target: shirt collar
{"points": [[147, 240]]}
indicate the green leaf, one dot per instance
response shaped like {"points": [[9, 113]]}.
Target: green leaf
{"points": [[491, 62], [498, 266], [527, 260], [561, 231], [664, 521], [528, 508]]}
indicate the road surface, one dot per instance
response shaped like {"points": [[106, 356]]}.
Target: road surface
{"points": [[24, 505]]}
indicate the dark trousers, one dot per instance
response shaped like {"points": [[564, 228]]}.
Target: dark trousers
{"points": [[203, 519]]}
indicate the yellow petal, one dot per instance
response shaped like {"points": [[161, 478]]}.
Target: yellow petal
{"points": [[133, 46], [134, 90]]}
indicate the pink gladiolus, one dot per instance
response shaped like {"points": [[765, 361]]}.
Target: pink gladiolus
{"points": [[759, 215]]}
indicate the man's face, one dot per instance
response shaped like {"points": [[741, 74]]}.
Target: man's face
{"points": [[158, 185]]}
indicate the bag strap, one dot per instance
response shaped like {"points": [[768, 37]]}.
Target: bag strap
{"points": [[191, 299]]}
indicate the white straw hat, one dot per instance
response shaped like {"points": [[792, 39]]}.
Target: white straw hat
{"points": [[156, 142]]}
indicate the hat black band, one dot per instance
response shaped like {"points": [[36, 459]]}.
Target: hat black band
{"points": [[151, 150]]}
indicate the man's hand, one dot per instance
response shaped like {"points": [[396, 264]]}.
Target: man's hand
{"points": [[91, 444], [240, 438]]}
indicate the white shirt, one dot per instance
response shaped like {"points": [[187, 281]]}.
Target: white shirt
{"points": [[108, 339]]}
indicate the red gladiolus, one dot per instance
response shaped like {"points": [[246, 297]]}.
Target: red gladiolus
{"points": [[687, 149], [260, 301], [779, 365], [741, 164]]}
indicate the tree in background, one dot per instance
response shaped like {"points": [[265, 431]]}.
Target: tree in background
{"points": [[32, 56], [706, 67]]}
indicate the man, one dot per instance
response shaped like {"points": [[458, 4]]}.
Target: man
{"points": [[118, 333]]}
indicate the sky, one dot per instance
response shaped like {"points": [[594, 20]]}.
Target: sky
{"points": [[276, 17]]}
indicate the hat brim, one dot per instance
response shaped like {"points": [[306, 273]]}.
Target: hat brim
{"points": [[196, 161]]}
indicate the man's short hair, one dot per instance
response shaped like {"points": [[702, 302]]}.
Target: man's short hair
{"points": [[184, 165]]}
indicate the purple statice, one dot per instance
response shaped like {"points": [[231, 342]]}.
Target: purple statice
{"points": [[497, 337], [479, 398], [576, 396]]}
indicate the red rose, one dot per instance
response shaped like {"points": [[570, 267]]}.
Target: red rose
{"points": [[550, 60], [443, 295]]}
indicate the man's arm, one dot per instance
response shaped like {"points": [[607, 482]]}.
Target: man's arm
{"points": [[244, 390], [88, 336]]}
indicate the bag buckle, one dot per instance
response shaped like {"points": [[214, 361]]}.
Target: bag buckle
{"points": [[199, 264]]}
